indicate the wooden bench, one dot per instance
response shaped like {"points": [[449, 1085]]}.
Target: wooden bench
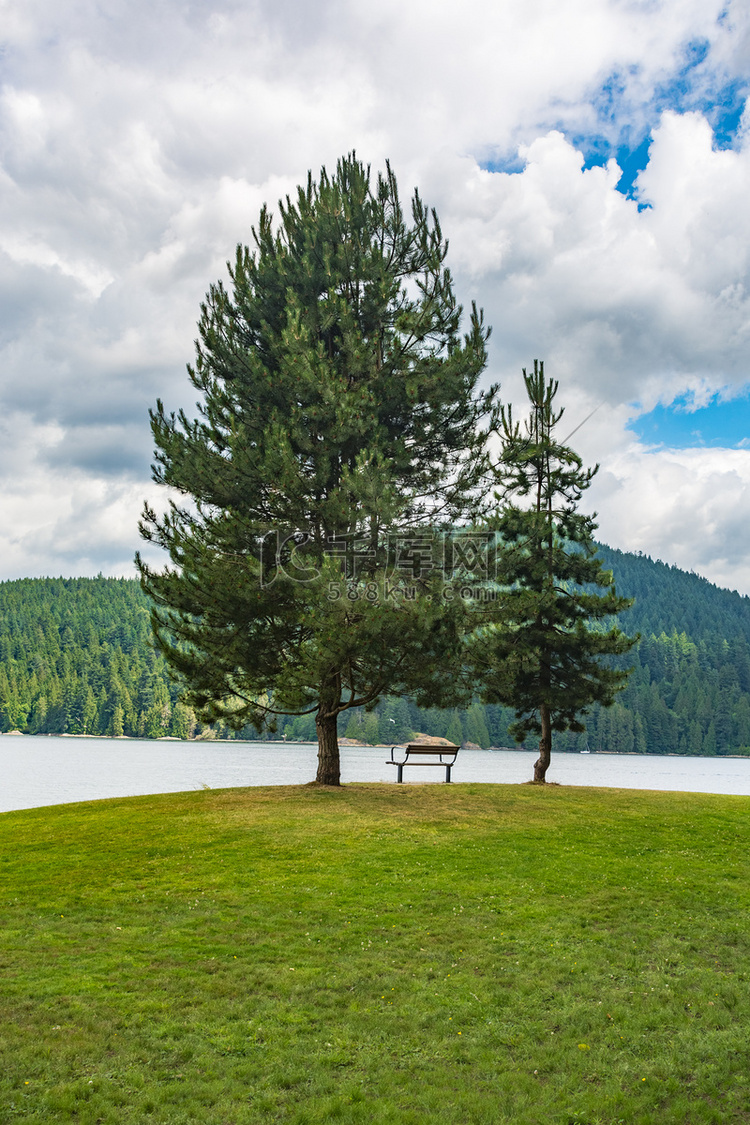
{"points": [[437, 753]]}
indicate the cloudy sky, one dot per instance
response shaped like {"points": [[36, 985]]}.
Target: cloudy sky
{"points": [[589, 160]]}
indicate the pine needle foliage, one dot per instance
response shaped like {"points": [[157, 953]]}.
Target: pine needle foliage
{"points": [[339, 410], [546, 653]]}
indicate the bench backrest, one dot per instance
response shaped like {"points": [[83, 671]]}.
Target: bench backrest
{"points": [[437, 748]]}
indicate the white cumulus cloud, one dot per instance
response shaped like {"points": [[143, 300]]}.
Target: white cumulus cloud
{"points": [[138, 142]]}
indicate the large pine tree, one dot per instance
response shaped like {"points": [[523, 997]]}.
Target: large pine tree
{"points": [[545, 654], [339, 426]]}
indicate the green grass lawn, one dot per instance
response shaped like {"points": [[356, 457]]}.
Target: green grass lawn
{"points": [[379, 953]]}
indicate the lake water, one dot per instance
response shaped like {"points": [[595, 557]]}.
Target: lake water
{"points": [[36, 771]]}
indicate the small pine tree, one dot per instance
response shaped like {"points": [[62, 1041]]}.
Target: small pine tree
{"points": [[116, 728], [455, 732], [371, 729], [183, 721], [543, 653], [354, 728], [476, 726]]}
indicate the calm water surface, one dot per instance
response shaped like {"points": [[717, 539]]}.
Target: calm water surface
{"points": [[51, 771]]}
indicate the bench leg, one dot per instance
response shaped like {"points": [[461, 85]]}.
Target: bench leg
{"points": [[400, 772], [447, 773]]}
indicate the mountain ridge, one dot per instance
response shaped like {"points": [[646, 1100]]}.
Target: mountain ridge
{"points": [[76, 656]]}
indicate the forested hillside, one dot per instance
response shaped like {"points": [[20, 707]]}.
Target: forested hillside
{"points": [[690, 689], [76, 657]]}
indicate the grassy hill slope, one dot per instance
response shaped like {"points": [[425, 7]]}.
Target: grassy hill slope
{"points": [[377, 954]]}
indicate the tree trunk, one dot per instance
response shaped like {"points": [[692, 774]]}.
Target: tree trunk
{"points": [[329, 769], [541, 765]]}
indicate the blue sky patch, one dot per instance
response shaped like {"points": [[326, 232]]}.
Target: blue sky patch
{"points": [[511, 163], [722, 424], [691, 86], [725, 114], [631, 162], [678, 91], [687, 89], [630, 159]]}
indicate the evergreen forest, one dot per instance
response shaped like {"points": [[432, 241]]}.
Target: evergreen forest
{"points": [[77, 657]]}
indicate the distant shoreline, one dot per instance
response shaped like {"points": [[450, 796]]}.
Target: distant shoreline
{"points": [[352, 745]]}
